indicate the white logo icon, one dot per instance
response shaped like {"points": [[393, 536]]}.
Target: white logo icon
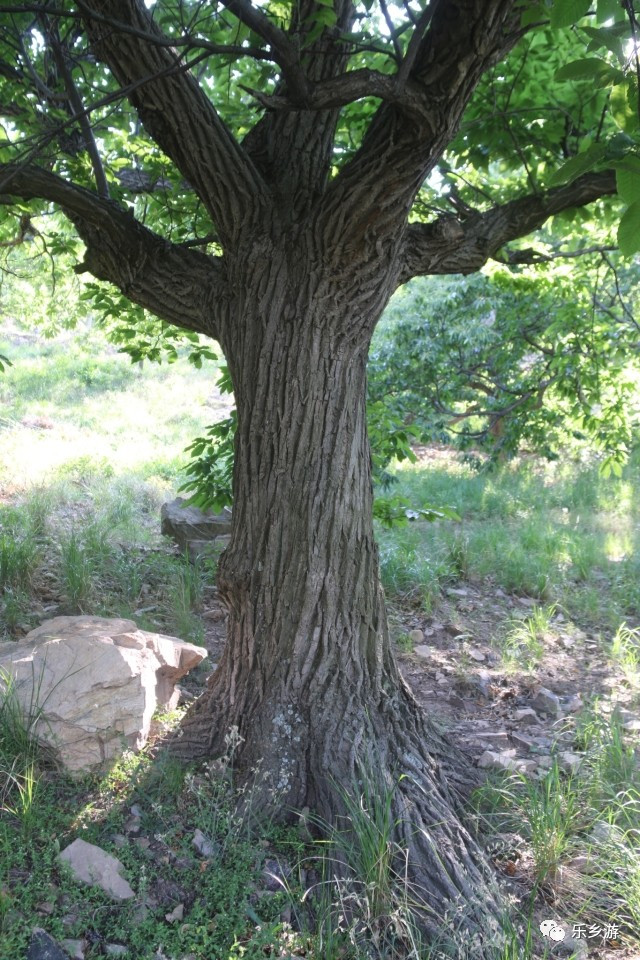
{"points": [[553, 930]]}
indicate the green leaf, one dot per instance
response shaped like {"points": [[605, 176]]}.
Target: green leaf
{"points": [[608, 9], [566, 12], [611, 38], [628, 179], [629, 230], [577, 165], [590, 68], [623, 104]]}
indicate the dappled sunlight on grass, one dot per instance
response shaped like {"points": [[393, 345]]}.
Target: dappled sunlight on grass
{"points": [[85, 402], [560, 533]]}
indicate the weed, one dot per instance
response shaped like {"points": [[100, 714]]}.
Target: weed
{"points": [[185, 595], [523, 644], [625, 651], [76, 569], [17, 561]]}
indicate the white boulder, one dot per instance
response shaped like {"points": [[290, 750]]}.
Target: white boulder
{"points": [[93, 684]]}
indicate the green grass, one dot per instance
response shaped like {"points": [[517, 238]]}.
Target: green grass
{"points": [[625, 652], [592, 816], [523, 644], [558, 533]]}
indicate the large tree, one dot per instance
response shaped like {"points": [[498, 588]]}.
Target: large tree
{"points": [[267, 175]]}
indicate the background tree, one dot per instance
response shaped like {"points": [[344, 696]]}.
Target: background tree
{"points": [[500, 361], [268, 176]]}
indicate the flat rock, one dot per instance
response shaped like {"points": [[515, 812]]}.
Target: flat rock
{"points": [[416, 636], [97, 683], [184, 523], [422, 650], [44, 947], [477, 655], [521, 740], [94, 866]]}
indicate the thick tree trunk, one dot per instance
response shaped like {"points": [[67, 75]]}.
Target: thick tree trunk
{"points": [[308, 675]]}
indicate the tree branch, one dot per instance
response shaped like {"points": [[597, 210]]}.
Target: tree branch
{"points": [[347, 88], [178, 115], [374, 191], [285, 52], [77, 106], [449, 245], [183, 286]]}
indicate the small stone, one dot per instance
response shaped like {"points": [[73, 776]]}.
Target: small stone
{"points": [[631, 726], [119, 840], [547, 701], [604, 832], [75, 948], [136, 810], [116, 950], [46, 908], [477, 655], [497, 737], [527, 767], [185, 523], [459, 592], [498, 761], [574, 704], [176, 914], [581, 864], [569, 761], [521, 740], [416, 636], [143, 842], [481, 680], [44, 947], [204, 846], [91, 865], [275, 875], [422, 650], [567, 642], [133, 826]]}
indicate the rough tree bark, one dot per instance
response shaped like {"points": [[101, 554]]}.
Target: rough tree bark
{"points": [[308, 675]]}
